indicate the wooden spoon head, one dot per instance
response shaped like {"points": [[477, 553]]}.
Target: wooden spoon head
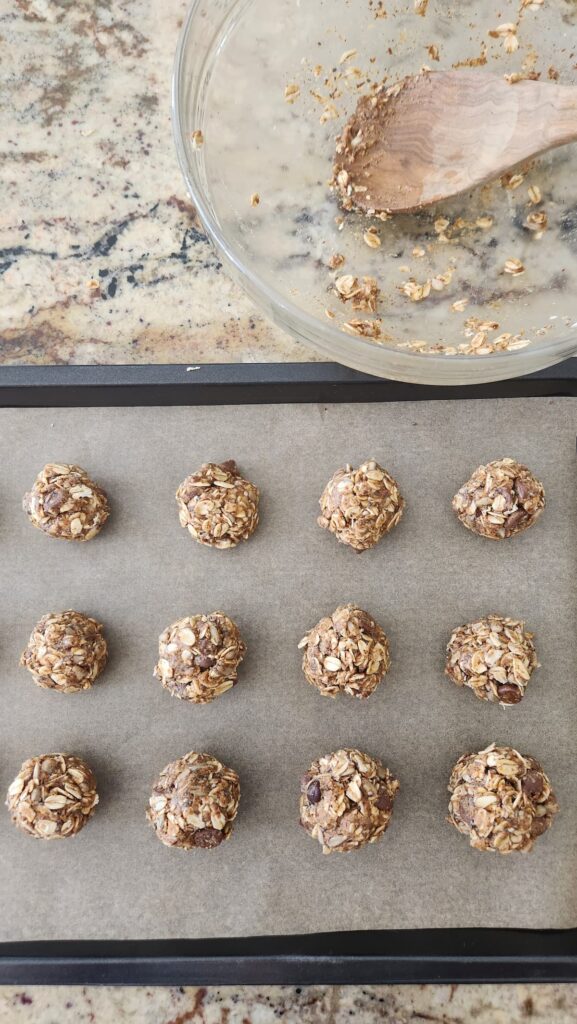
{"points": [[437, 134]]}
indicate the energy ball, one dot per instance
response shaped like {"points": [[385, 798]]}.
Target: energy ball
{"points": [[64, 502], [501, 499], [494, 657], [194, 802], [218, 506], [53, 796], [347, 800], [346, 652], [66, 652], [361, 505], [198, 657], [501, 799]]}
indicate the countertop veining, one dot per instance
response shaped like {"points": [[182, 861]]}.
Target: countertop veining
{"points": [[102, 259], [442, 1004]]}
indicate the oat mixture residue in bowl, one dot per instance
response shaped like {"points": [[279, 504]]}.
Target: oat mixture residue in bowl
{"points": [[491, 271]]}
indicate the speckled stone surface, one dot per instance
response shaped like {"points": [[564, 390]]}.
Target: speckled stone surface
{"points": [[443, 1004], [101, 257]]}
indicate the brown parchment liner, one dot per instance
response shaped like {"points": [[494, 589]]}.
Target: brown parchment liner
{"points": [[115, 880]]}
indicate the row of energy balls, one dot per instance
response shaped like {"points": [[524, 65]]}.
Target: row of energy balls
{"points": [[501, 799]]}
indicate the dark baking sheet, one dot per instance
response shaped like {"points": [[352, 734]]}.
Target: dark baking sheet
{"points": [[371, 956]]}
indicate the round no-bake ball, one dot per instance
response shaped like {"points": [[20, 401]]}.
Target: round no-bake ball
{"points": [[361, 505], [194, 802], [346, 652], [53, 796], [501, 499], [501, 799], [494, 657], [64, 502], [218, 506], [66, 652], [198, 657], [347, 800]]}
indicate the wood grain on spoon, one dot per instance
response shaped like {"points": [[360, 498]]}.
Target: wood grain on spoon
{"points": [[441, 133]]}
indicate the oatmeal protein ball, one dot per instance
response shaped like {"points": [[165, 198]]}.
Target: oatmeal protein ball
{"points": [[66, 652], [217, 505], [347, 800], [53, 796], [64, 502], [194, 802], [494, 657], [501, 499], [198, 657], [361, 505], [346, 652], [501, 800]]}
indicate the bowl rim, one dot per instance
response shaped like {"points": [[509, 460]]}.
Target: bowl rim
{"points": [[324, 337]]}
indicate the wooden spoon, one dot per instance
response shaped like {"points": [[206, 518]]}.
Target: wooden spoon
{"points": [[441, 133]]}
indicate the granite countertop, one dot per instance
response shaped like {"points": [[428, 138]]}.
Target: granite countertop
{"points": [[442, 1004], [102, 259]]}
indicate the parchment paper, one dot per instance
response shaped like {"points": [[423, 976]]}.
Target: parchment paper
{"points": [[115, 880]]}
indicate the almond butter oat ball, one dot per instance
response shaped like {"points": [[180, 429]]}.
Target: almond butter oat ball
{"points": [[53, 796], [494, 657], [347, 800], [64, 502], [198, 657], [194, 802], [66, 652], [346, 652], [501, 800], [501, 499], [361, 505], [218, 506]]}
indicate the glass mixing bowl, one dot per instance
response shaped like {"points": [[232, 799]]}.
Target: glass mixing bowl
{"points": [[262, 89]]}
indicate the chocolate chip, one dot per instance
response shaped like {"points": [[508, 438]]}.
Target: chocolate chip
{"points": [[384, 802], [521, 489], [508, 693], [506, 494], [208, 838], [314, 792], [539, 826], [467, 809], [54, 500], [513, 521], [229, 467], [532, 784], [204, 661]]}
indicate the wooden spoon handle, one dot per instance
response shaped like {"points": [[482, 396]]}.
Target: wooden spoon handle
{"points": [[550, 110], [564, 126]]}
